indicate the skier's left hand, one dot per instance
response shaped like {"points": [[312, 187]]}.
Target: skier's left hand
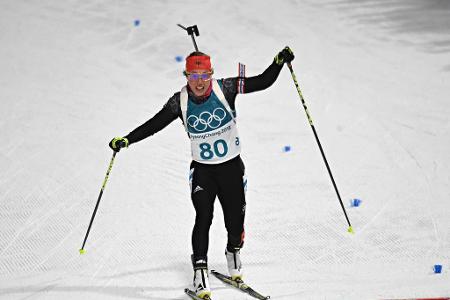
{"points": [[284, 56], [118, 143]]}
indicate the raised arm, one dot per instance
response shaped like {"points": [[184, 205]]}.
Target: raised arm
{"points": [[259, 82], [270, 75]]}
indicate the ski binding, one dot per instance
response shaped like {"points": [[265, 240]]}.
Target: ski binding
{"points": [[239, 284], [194, 296]]}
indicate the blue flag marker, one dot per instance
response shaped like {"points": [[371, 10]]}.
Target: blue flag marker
{"points": [[179, 58], [286, 148], [137, 23]]}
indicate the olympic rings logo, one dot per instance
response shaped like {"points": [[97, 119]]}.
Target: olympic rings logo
{"points": [[207, 120]]}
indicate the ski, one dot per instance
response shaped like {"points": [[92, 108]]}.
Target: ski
{"points": [[239, 284], [194, 296]]}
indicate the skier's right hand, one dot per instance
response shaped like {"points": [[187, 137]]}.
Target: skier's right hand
{"points": [[118, 143]]}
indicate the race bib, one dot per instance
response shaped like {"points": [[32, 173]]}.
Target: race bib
{"points": [[211, 127]]}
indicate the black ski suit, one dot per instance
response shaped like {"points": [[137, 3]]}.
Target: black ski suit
{"points": [[224, 180]]}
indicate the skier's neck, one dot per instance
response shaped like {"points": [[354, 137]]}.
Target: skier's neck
{"points": [[203, 97]]}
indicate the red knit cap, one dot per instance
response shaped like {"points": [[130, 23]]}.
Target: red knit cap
{"points": [[202, 62]]}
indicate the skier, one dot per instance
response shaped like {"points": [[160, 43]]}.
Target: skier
{"points": [[206, 107]]}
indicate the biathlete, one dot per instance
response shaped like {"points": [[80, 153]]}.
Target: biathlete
{"points": [[206, 107]]}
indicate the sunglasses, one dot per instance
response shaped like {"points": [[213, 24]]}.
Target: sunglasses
{"points": [[197, 76]]}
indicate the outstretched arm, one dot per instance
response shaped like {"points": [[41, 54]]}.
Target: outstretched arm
{"points": [[160, 120], [164, 117]]}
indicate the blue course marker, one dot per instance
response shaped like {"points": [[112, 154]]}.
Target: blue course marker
{"points": [[287, 148], [355, 202], [437, 269], [179, 58], [137, 23]]}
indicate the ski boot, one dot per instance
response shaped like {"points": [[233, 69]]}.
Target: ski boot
{"points": [[234, 263], [201, 279]]}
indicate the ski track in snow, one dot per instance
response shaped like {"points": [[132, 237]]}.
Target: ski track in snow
{"points": [[78, 73]]}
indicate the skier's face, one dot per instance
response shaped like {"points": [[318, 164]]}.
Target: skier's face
{"points": [[199, 81]]}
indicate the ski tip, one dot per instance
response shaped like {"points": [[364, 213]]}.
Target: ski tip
{"points": [[350, 230], [82, 251]]}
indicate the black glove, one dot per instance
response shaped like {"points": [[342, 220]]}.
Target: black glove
{"points": [[118, 143], [285, 56]]}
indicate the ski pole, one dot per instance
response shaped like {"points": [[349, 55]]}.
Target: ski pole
{"points": [[191, 30], [82, 251], [350, 228]]}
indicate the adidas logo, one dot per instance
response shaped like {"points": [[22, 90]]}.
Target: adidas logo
{"points": [[198, 189]]}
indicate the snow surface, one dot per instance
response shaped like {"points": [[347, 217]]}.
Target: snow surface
{"points": [[375, 76]]}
